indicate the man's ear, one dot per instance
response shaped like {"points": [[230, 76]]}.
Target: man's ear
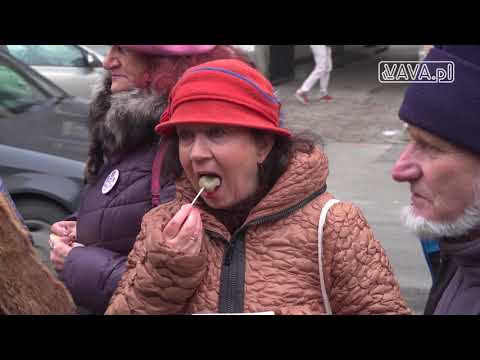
{"points": [[264, 146]]}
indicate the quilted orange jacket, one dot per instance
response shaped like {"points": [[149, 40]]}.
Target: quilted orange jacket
{"points": [[277, 269]]}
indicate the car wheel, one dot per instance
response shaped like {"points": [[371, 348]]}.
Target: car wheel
{"points": [[39, 215]]}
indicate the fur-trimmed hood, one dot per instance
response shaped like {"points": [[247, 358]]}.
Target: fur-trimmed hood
{"points": [[126, 119], [121, 122]]}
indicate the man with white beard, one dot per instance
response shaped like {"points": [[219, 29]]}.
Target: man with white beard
{"points": [[442, 165]]}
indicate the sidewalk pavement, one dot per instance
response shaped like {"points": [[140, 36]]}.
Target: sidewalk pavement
{"points": [[360, 173]]}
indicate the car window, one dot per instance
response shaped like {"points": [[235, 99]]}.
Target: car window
{"points": [[100, 49], [48, 55], [16, 93]]}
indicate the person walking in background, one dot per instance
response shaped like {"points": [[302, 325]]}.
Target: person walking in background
{"points": [[322, 55]]}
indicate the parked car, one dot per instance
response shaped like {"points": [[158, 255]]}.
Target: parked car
{"points": [[43, 146], [44, 188], [101, 50], [74, 68], [35, 114]]}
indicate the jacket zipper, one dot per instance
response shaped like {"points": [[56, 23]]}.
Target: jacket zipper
{"points": [[233, 266]]}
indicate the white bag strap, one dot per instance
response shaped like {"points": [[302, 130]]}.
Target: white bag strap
{"points": [[321, 223]]}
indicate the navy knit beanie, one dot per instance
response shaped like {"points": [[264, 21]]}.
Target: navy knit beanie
{"points": [[448, 110]]}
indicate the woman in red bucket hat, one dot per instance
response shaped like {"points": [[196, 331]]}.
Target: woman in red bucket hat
{"points": [[251, 242], [89, 250]]}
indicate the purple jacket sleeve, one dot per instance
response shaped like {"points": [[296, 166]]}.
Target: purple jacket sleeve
{"points": [[91, 274], [72, 217]]}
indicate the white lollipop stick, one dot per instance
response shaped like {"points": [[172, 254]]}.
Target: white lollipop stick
{"points": [[198, 195]]}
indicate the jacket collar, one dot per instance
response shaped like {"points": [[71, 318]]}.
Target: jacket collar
{"points": [[306, 174], [465, 253]]}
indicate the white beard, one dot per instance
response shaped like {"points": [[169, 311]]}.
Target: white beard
{"points": [[426, 229]]}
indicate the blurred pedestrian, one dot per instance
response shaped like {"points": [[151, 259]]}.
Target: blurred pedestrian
{"points": [[322, 55], [441, 163], [89, 249]]}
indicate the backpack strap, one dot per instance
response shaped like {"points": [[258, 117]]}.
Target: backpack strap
{"points": [[321, 223], [156, 172]]}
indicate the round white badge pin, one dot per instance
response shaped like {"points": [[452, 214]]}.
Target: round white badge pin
{"points": [[110, 182]]}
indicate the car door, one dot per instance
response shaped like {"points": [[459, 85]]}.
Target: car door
{"points": [[72, 68], [33, 119]]}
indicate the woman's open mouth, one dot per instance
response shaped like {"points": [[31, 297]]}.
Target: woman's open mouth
{"points": [[211, 182]]}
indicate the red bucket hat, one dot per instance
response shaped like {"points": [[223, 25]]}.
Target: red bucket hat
{"points": [[223, 92]]}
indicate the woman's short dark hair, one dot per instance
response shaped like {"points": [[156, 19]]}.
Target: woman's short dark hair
{"points": [[273, 167], [281, 155]]}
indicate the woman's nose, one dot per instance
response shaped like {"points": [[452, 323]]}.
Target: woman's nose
{"points": [[110, 61], [200, 149], [407, 168]]}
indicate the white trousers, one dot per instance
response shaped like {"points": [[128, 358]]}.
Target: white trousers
{"points": [[323, 66]]}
